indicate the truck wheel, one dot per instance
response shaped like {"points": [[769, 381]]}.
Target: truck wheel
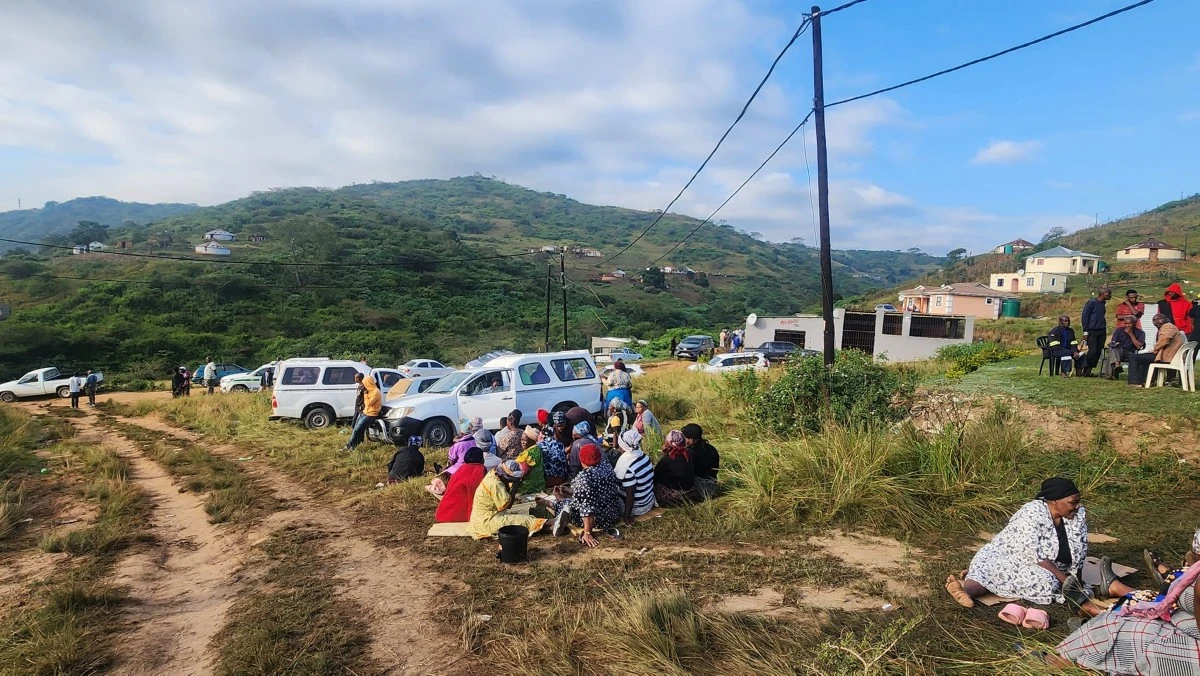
{"points": [[239, 388], [437, 433], [318, 418], [563, 407], [7, 397], [64, 392]]}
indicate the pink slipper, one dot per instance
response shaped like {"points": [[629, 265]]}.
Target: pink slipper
{"points": [[1036, 619], [1013, 614]]}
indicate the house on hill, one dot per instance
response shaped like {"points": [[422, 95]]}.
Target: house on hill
{"points": [[1150, 250], [966, 298], [258, 239], [1015, 246], [97, 246], [1029, 282], [213, 249], [1063, 261], [219, 236]]}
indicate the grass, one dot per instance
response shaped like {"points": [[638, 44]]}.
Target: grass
{"points": [[20, 435], [293, 620]]}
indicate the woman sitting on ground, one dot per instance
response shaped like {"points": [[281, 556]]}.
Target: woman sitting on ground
{"points": [[636, 474], [705, 459], [460, 492], [530, 459], [620, 417], [407, 462], [495, 495], [645, 419], [1039, 555], [674, 475], [592, 501], [553, 444]]}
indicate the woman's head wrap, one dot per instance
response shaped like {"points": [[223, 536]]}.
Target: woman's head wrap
{"points": [[674, 445], [1057, 488], [474, 455], [510, 469], [589, 455], [630, 440], [583, 428], [693, 431], [483, 438]]}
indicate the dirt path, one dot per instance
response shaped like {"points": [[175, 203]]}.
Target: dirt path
{"points": [[395, 590]]}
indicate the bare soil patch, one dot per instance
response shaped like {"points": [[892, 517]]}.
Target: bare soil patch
{"points": [[880, 559]]}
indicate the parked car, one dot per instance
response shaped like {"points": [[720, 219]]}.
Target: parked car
{"points": [[222, 371], [634, 370], [39, 383], [246, 382], [693, 347], [623, 353], [776, 350], [732, 362], [321, 391], [886, 307], [555, 381], [425, 367], [484, 359], [410, 386]]}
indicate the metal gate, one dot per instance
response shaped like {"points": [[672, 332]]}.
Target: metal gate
{"points": [[794, 337], [858, 331]]}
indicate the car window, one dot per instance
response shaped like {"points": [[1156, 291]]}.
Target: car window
{"points": [[401, 388], [300, 375], [488, 383], [32, 377], [576, 368], [388, 378], [436, 365], [339, 375], [715, 361], [426, 385], [533, 374]]}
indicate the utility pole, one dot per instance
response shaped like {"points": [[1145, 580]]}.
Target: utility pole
{"points": [[562, 266], [822, 186], [549, 270]]}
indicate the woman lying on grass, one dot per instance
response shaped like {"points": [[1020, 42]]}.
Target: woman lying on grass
{"points": [[1039, 555]]}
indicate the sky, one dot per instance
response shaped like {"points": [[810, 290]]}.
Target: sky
{"points": [[614, 102]]}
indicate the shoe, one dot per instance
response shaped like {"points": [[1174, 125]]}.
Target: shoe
{"points": [[1072, 589], [613, 532], [1151, 559], [1107, 577], [561, 525]]}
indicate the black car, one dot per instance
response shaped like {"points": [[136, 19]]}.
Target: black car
{"points": [[693, 347], [777, 351]]}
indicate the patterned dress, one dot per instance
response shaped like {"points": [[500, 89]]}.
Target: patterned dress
{"points": [[1119, 644], [486, 517], [554, 455], [595, 492], [1008, 565]]}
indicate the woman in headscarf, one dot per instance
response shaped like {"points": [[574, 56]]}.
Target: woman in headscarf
{"points": [[455, 456], [530, 459], [495, 495], [508, 439], [705, 459], [1179, 305], [645, 419], [620, 418], [1039, 555], [177, 380], [674, 475], [636, 474], [583, 435], [592, 501], [460, 492], [553, 445], [407, 462], [620, 385]]}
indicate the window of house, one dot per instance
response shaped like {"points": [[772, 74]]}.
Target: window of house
{"points": [[300, 375], [572, 369], [988, 301], [339, 375], [533, 374], [999, 282], [1052, 281], [937, 301], [1029, 281], [1040, 261]]}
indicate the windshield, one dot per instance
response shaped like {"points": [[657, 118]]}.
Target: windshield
{"points": [[449, 383], [715, 361]]}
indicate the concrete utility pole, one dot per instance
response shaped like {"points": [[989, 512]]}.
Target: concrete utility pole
{"points": [[822, 186], [562, 266], [549, 273]]}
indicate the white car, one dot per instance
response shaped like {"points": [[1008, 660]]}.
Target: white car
{"points": [[555, 381], [320, 391], [623, 353], [406, 387], [634, 370], [732, 362], [246, 382], [38, 383], [424, 367]]}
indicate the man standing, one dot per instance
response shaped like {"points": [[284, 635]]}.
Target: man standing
{"points": [[1095, 329], [724, 340], [90, 385], [1125, 342], [1169, 341], [75, 384], [1132, 306], [359, 395], [210, 375]]}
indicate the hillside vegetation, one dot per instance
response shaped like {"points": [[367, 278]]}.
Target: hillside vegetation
{"points": [[387, 296], [57, 218]]}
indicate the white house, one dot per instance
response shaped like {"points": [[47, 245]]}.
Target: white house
{"points": [[219, 236], [891, 335], [618, 273], [97, 246], [1150, 250], [213, 249], [1023, 281], [1063, 261], [79, 249]]}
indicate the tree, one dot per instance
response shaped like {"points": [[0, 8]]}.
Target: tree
{"points": [[915, 250], [701, 279], [1053, 234], [654, 278], [955, 256], [798, 241], [87, 232]]}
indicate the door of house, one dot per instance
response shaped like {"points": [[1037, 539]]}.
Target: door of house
{"points": [[1154, 254], [1016, 285]]}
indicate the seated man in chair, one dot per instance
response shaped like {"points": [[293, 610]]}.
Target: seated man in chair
{"points": [[1170, 341], [1126, 341]]}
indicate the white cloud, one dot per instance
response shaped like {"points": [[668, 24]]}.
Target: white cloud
{"points": [[1007, 152]]}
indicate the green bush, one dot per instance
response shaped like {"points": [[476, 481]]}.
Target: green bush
{"points": [[740, 385], [966, 358], [855, 391]]}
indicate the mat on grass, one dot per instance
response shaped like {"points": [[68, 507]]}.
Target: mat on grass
{"points": [[1091, 575], [459, 529]]}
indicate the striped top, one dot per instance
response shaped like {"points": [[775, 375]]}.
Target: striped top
{"points": [[635, 470]]}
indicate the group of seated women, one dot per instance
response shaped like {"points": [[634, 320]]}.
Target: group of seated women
{"points": [[575, 482], [1038, 557]]}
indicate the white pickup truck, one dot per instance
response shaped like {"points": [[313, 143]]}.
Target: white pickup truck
{"points": [[39, 383]]}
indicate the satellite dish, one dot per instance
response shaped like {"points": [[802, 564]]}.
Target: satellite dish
{"points": [[752, 319], [4, 312], [1020, 272]]}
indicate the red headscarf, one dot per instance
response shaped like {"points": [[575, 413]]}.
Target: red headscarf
{"points": [[589, 455], [674, 446], [1179, 308]]}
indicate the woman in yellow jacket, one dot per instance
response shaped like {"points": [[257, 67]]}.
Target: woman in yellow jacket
{"points": [[372, 406]]}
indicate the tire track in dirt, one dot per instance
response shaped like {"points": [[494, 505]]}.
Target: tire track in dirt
{"points": [[395, 589]]}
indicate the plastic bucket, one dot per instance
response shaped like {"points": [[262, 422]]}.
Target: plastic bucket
{"points": [[514, 544]]}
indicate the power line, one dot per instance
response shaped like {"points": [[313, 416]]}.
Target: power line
{"points": [[839, 8], [408, 260], [799, 31], [989, 57]]}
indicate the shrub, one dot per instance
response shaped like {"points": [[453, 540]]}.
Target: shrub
{"points": [[855, 391], [740, 385], [967, 358]]}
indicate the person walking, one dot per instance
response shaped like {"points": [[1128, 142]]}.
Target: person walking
{"points": [[90, 384], [1095, 329], [372, 405], [178, 378], [75, 385], [209, 375]]}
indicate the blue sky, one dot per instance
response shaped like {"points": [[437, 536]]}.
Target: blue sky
{"points": [[613, 102]]}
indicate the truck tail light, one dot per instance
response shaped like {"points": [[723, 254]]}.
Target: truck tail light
{"points": [[274, 403]]}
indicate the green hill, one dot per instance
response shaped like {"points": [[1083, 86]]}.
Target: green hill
{"points": [[56, 218], [391, 299], [1175, 223]]}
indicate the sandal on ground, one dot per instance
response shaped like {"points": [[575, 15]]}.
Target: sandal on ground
{"points": [[1073, 590], [1107, 577], [1152, 563], [1013, 614], [955, 589], [1036, 619], [613, 532]]}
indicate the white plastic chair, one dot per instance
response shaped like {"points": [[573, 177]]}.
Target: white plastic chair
{"points": [[1183, 363]]}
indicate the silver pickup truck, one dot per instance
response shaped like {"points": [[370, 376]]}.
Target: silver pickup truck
{"points": [[39, 383]]}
